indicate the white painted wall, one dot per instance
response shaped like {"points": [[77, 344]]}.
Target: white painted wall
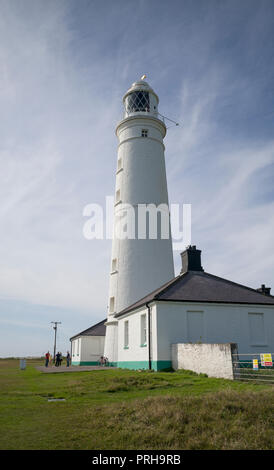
{"points": [[135, 352], [111, 344], [221, 323], [215, 360], [90, 348], [142, 265], [172, 322]]}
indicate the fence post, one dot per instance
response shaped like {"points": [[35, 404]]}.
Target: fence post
{"points": [[235, 360]]}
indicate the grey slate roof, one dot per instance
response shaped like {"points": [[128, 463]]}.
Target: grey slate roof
{"points": [[96, 330], [199, 286]]}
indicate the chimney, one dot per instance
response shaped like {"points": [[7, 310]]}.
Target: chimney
{"points": [[191, 259], [264, 290]]}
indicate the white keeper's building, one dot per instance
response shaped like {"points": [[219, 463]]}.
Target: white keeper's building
{"points": [[88, 346], [194, 307]]}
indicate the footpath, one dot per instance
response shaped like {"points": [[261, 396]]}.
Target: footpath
{"points": [[56, 370]]}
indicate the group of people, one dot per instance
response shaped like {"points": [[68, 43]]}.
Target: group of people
{"points": [[103, 361], [57, 360]]}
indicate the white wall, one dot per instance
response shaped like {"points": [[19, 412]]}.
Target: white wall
{"points": [[142, 265], [221, 323], [179, 322], [215, 360], [91, 348], [135, 352]]}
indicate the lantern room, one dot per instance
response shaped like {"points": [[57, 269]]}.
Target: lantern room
{"points": [[141, 99]]}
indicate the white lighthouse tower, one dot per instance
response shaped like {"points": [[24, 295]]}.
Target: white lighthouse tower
{"points": [[141, 259]]}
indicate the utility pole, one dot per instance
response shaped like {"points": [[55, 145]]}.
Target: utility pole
{"points": [[55, 330]]}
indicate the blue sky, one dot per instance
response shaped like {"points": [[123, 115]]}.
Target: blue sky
{"points": [[65, 66]]}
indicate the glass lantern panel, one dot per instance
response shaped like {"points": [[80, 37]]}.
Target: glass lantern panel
{"points": [[137, 101]]}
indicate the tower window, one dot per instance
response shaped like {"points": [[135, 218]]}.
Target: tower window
{"points": [[144, 132], [111, 304], [118, 196], [119, 165], [138, 101], [114, 265]]}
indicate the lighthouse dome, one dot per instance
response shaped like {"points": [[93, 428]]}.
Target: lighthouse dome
{"points": [[141, 98]]}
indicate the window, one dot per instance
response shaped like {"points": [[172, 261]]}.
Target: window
{"points": [[143, 330], [137, 101], [126, 334], [119, 164], [114, 265], [118, 196], [111, 304], [144, 132], [256, 329]]}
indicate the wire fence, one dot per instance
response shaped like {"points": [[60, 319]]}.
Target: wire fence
{"points": [[254, 367]]}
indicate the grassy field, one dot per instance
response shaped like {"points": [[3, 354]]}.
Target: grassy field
{"points": [[122, 409]]}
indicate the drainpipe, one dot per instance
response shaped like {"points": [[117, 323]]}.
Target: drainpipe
{"points": [[149, 329]]}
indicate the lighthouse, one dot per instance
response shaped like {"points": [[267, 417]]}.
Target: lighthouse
{"points": [[141, 257]]}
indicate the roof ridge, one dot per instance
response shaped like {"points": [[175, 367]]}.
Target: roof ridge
{"points": [[158, 290], [150, 296], [238, 284], [91, 327], [174, 281], [162, 292]]}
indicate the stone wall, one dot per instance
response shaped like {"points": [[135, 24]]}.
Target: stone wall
{"points": [[215, 360]]}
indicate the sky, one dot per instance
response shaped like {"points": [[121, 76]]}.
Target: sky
{"points": [[64, 68]]}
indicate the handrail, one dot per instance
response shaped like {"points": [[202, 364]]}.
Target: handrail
{"points": [[145, 113]]}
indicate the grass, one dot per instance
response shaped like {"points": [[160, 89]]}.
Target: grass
{"points": [[123, 409]]}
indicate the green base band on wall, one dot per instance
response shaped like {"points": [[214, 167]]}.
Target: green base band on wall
{"points": [[88, 363], [135, 365]]}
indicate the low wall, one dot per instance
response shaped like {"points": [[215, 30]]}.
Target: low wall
{"points": [[215, 360]]}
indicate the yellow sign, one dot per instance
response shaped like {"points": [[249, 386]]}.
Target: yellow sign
{"points": [[255, 364], [266, 360]]}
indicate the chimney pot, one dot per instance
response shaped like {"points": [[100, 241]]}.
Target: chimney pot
{"points": [[264, 290]]}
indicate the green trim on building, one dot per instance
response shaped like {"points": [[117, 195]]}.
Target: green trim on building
{"points": [[134, 365], [88, 363], [155, 365]]}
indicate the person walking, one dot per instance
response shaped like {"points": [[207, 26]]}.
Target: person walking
{"points": [[68, 359], [47, 359], [57, 360]]}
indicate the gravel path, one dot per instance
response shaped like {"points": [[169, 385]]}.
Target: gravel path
{"points": [[54, 370]]}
